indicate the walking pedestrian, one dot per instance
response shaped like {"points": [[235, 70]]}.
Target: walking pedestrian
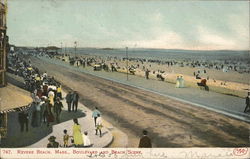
{"points": [[147, 74], [58, 109], [51, 96], [78, 141], [98, 125], [95, 114], [65, 138], [145, 141], [69, 99], [247, 108], [59, 91], [75, 101], [23, 120]]}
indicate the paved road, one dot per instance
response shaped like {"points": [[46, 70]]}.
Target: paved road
{"points": [[225, 104]]}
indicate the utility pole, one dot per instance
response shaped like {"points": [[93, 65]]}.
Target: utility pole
{"points": [[75, 47], [127, 61], [61, 48], [65, 50]]}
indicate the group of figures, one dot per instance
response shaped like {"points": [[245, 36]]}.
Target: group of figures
{"points": [[79, 138], [72, 101]]}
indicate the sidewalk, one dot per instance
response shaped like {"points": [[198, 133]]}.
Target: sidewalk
{"points": [[86, 121]]}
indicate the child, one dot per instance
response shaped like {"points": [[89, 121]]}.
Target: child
{"points": [[99, 125], [65, 139], [86, 140]]}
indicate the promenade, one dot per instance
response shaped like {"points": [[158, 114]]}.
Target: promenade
{"points": [[87, 124]]}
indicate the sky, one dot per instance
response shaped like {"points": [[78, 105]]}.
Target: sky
{"points": [[193, 25]]}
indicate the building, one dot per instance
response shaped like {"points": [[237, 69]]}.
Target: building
{"points": [[3, 45], [52, 50], [13, 100]]}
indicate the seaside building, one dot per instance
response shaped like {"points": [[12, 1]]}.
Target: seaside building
{"points": [[3, 45], [52, 50], [13, 100]]}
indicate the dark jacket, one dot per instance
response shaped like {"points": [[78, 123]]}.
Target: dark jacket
{"points": [[69, 98], [53, 145], [145, 142], [75, 97], [58, 107], [23, 117], [247, 100]]}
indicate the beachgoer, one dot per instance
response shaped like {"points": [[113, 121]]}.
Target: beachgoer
{"points": [[58, 109], [48, 115], [247, 108], [147, 74], [99, 125], [75, 98], [51, 96], [182, 83], [78, 140], [203, 82], [23, 120], [177, 85], [95, 114], [59, 91], [69, 99], [52, 142], [145, 141], [65, 138], [86, 140]]}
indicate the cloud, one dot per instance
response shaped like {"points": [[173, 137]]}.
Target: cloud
{"points": [[209, 39], [164, 39]]}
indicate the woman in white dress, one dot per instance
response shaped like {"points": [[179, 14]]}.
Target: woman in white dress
{"points": [[182, 84], [177, 82]]}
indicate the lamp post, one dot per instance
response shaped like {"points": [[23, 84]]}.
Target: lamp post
{"points": [[127, 61]]}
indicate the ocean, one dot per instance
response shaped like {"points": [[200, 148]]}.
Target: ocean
{"points": [[163, 54]]}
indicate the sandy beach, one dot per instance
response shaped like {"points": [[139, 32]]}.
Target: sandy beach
{"points": [[132, 110], [230, 83]]}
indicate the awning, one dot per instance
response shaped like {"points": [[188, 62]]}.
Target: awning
{"points": [[12, 97]]}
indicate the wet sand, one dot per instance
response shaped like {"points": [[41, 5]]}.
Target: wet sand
{"points": [[170, 123]]}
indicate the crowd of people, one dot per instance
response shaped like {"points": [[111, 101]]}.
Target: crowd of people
{"points": [[47, 106], [46, 93]]}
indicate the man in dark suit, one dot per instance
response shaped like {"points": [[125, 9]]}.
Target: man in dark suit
{"points": [[75, 101], [145, 141], [23, 120], [69, 99], [247, 103]]}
